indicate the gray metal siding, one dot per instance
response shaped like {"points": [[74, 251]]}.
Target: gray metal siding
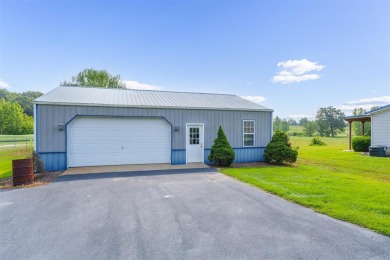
{"points": [[50, 116]]}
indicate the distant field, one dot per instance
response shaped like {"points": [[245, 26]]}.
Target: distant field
{"points": [[296, 129], [13, 141], [299, 129], [339, 141]]}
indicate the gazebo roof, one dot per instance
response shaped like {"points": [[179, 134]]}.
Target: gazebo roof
{"points": [[366, 117], [359, 118]]}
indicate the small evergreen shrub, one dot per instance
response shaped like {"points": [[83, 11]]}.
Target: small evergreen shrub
{"points": [[37, 163], [361, 143], [279, 150], [316, 141], [280, 136], [221, 152]]}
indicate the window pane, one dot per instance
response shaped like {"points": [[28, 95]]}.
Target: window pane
{"points": [[249, 139], [249, 127], [194, 135]]}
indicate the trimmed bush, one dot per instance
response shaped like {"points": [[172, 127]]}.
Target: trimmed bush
{"points": [[316, 141], [221, 152], [279, 150], [361, 143]]}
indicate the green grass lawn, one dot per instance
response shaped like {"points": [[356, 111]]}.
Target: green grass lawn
{"points": [[296, 129], [345, 185], [12, 140], [6, 157]]}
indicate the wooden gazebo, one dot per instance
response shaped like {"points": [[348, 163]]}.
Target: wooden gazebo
{"points": [[359, 118]]}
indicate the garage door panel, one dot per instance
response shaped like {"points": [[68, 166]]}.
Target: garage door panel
{"points": [[114, 141]]}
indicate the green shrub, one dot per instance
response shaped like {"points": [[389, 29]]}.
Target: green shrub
{"points": [[316, 141], [278, 153], [361, 143], [279, 150], [280, 136], [295, 134], [221, 152], [37, 163]]}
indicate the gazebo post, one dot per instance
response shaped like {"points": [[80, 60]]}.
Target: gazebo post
{"points": [[359, 118], [349, 135]]}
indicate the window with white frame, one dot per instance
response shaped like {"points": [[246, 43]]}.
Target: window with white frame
{"points": [[249, 132]]}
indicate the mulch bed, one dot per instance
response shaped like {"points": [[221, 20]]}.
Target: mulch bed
{"points": [[242, 165], [40, 179]]}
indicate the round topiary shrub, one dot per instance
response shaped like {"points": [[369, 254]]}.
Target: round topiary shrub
{"points": [[279, 150], [361, 143], [316, 141], [221, 152]]}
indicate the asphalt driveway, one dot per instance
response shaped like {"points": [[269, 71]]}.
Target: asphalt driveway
{"points": [[171, 215]]}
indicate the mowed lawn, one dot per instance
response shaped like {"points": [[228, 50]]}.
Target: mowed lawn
{"points": [[6, 157], [13, 147], [345, 185]]}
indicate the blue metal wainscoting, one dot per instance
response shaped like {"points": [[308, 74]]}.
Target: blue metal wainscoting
{"points": [[244, 154], [54, 161], [178, 156]]}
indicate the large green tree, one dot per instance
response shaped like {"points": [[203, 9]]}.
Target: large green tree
{"points": [[280, 125], [330, 121], [310, 128], [95, 78], [357, 126], [25, 99], [303, 121], [277, 124], [284, 126], [13, 120]]}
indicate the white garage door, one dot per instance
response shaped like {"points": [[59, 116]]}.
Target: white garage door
{"points": [[94, 141]]}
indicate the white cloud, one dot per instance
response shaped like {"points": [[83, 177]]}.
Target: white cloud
{"points": [[4, 84], [300, 116], [132, 84], [366, 103], [292, 71], [255, 99]]}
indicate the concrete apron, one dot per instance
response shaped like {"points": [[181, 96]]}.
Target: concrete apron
{"points": [[133, 168]]}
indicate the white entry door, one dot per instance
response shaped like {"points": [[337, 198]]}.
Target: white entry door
{"points": [[194, 143]]}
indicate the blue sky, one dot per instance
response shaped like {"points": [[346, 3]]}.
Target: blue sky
{"points": [[292, 56]]}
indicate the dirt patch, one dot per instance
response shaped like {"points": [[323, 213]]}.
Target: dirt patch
{"points": [[249, 164], [39, 180]]}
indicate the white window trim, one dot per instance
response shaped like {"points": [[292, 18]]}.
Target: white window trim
{"points": [[243, 133]]}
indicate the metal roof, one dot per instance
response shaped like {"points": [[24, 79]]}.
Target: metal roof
{"points": [[369, 113], [91, 96]]}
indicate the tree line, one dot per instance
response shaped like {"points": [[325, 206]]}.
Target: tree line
{"points": [[329, 121], [16, 112], [17, 109]]}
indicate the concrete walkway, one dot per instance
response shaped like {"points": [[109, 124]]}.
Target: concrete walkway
{"points": [[133, 168]]}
